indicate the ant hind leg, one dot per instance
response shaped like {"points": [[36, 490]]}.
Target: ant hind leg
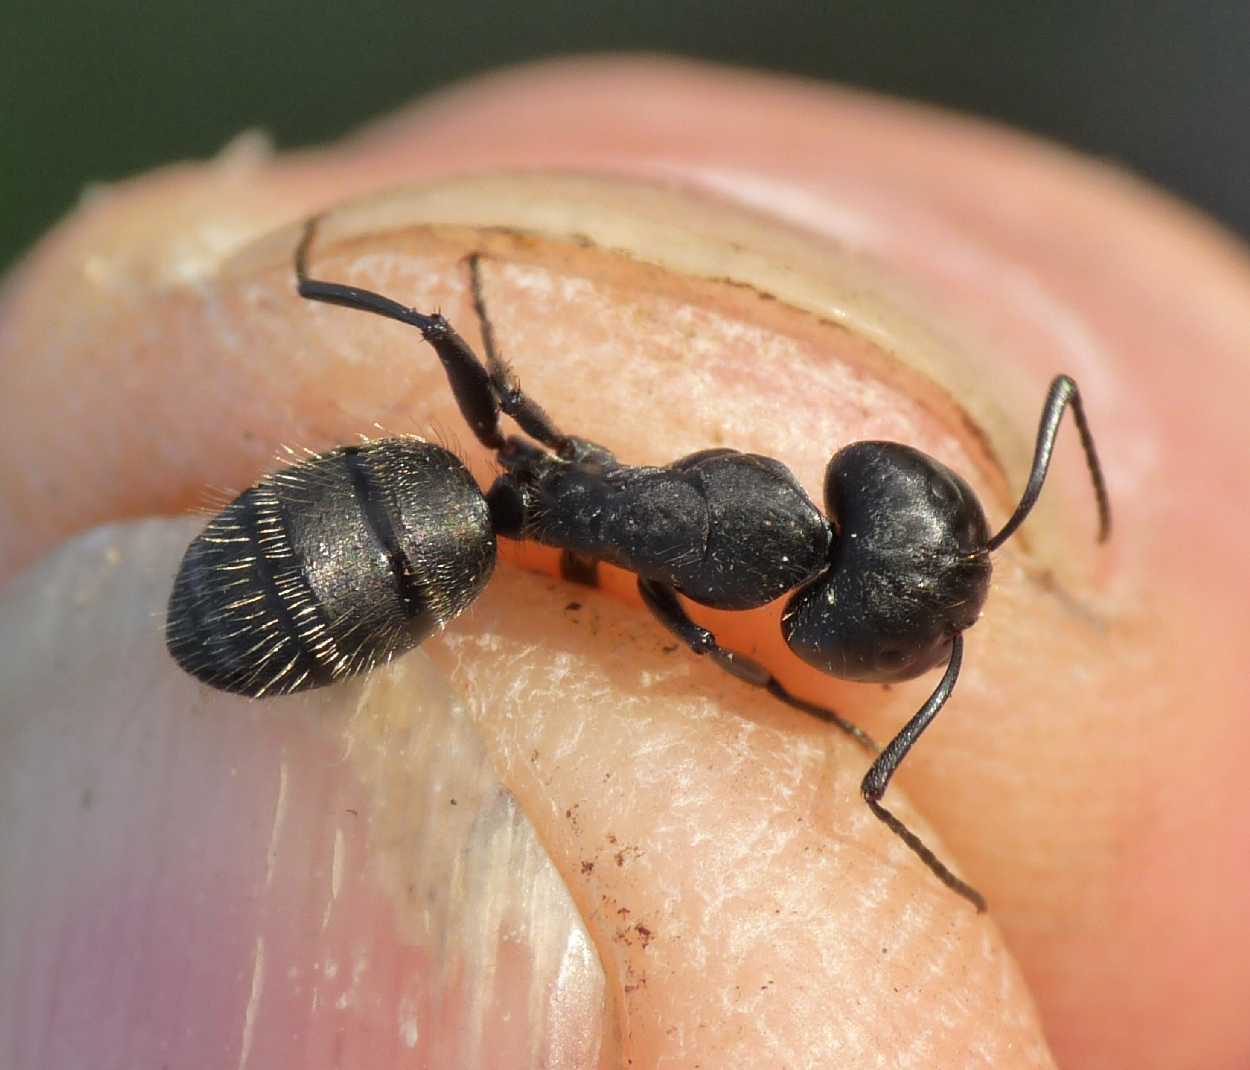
{"points": [[482, 390], [531, 417]]}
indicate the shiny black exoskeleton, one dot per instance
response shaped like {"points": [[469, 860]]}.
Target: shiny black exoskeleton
{"points": [[348, 558], [329, 567]]}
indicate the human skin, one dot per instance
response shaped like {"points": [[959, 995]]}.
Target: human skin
{"points": [[1085, 777]]}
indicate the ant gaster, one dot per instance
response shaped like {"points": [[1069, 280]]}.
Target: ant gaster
{"points": [[348, 558]]}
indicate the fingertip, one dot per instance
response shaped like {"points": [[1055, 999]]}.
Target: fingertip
{"points": [[194, 877]]}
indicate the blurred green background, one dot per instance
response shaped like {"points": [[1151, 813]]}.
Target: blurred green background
{"points": [[98, 91]]}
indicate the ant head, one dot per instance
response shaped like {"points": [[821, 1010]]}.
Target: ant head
{"points": [[909, 567]]}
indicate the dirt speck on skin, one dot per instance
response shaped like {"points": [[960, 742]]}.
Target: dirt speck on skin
{"points": [[631, 935], [629, 853]]}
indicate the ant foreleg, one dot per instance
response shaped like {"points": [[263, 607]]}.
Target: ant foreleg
{"points": [[529, 415], [661, 599]]}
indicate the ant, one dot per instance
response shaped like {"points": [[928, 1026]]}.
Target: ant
{"points": [[348, 558]]}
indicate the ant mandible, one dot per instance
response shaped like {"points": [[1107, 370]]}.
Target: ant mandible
{"points": [[349, 558]]}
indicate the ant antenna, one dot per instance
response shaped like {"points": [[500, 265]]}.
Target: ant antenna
{"points": [[1063, 392], [887, 762]]}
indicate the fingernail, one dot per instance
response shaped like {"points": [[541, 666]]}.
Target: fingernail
{"points": [[339, 877]]}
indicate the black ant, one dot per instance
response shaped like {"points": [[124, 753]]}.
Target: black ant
{"points": [[345, 560]]}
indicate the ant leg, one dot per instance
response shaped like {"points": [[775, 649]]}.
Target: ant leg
{"points": [[878, 777], [1063, 391], [661, 599], [529, 415], [579, 568], [471, 384]]}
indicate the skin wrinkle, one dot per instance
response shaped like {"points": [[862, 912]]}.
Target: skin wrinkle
{"points": [[1079, 937]]}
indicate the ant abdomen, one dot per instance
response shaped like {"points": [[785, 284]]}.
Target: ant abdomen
{"points": [[330, 567]]}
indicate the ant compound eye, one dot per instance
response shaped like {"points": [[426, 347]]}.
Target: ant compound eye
{"points": [[942, 491], [891, 659], [955, 509], [970, 532]]}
